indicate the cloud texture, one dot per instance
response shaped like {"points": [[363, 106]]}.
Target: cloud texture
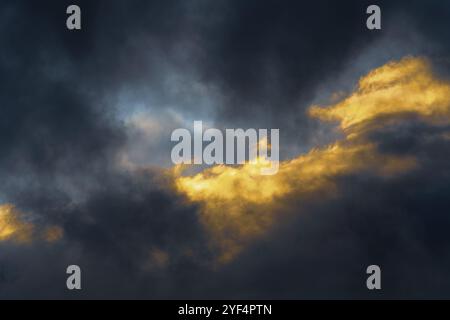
{"points": [[85, 167]]}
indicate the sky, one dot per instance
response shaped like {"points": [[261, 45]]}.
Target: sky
{"points": [[87, 178]]}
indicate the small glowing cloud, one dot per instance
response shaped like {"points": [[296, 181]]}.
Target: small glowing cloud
{"points": [[53, 234], [15, 228], [157, 259], [12, 227]]}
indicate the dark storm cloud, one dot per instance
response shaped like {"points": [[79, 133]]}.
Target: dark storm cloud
{"points": [[48, 124], [58, 142], [267, 57], [59, 134], [269, 54], [114, 237], [58, 112]]}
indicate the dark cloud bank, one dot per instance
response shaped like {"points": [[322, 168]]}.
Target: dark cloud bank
{"points": [[59, 136]]}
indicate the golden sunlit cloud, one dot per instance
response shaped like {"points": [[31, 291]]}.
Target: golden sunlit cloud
{"points": [[14, 228], [406, 86], [238, 205]]}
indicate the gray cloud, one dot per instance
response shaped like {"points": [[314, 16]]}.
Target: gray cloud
{"points": [[66, 98]]}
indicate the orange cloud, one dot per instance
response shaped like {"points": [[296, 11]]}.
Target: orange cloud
{"points": [[397, 88], [15, 228], [238, 205], [12, 227]]}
